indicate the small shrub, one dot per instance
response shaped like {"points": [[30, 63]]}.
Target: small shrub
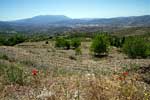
{"points": [[15, 75], [67, 44], [117, 41], [62, 43], [59, 42], [2, 40], [135, 47], [100, 44], [75, 43], [78, 51]]}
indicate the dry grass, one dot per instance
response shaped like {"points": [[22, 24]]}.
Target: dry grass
{"points": [[62, 78]]}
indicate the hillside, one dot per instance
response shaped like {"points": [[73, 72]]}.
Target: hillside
{"points": [[63, 75]]}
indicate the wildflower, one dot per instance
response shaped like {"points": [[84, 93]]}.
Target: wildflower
{"points": [[120, 78], [34, 72], [125, 73]]}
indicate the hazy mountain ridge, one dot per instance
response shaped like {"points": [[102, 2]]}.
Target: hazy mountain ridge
{"points": [[43, 19], [45, 23], [124, 21]]}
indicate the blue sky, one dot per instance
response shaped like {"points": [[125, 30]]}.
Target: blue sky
{"points": [[18, 9]]}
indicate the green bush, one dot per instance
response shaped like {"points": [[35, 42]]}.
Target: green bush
{"points": [[2, 41], [100, 44], [75, 43], [135, 47], [59, 42], [148, 49], [62, 43], [67, 44], [117, 41], [12, 40]]}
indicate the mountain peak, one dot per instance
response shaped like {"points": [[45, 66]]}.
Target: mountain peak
{"points": [[50, 16], [44, 19]]}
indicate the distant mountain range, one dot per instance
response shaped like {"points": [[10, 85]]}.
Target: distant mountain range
{"points": [[61, 23]]}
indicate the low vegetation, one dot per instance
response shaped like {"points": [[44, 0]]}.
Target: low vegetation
{"points": [[12, 40], [65, 43], [62, 43], [75, 43], [136, 47], [100, 45], [62, 68], [117, 41]]}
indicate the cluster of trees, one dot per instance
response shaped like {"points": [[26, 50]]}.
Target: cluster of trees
{"points": [[12, 40], [134, 47], [65, 43]]}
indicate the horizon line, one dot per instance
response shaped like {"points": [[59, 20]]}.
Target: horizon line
{"points": [[75, 18]]}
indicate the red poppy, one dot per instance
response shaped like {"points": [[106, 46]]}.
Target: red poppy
{"points": [[125, 73], [120, 78], [34, 72]]}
